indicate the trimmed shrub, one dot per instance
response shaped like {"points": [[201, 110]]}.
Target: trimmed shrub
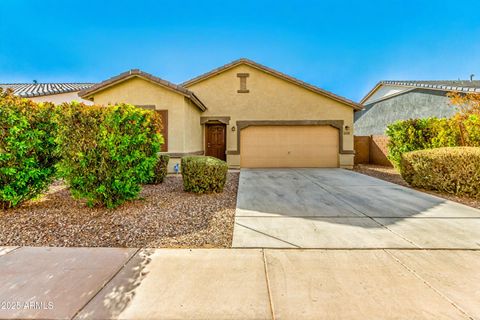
{"points": [[27, 149], [160, 169], [454, 170], [107, 152], [203, 174]]}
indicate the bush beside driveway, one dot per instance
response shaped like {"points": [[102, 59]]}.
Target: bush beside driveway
{"points": [[392, 175]]}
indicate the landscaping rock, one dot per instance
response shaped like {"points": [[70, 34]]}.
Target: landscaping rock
{"points": [[165, 216]]}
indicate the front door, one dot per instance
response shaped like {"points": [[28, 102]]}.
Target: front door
{"points": [[215, 140]]}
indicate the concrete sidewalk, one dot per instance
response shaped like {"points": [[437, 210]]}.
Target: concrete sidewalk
{"points": [[115, 283]]}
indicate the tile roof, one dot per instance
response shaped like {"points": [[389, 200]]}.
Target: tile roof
{"points": [[86, 93], [449, 85], [275, 73], [43, 89], [440, 85]]}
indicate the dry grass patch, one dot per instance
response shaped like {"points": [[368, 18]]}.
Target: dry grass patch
{"points": [[165, 216]]}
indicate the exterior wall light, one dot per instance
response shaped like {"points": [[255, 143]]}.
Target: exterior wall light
{"points": [[233, 128]]}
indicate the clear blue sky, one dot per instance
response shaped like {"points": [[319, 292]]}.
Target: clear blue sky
{"points": [[342, 46]]}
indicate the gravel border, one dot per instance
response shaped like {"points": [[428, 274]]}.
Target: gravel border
{"points": [[391, 174], [164, 216]]}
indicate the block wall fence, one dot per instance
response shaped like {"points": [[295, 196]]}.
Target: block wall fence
{"points": [[371, 150]]}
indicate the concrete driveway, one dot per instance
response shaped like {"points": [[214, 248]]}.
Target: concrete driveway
{"points": [[336, 208]]}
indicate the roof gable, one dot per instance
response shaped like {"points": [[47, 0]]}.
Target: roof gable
{"points": [[274, 73], [90, 92], [381, 92]]}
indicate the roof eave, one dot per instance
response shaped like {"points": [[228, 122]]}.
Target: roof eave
{"points": [[391, 96], [371, 92], [198, 102], [90, 92], [213, 72]]}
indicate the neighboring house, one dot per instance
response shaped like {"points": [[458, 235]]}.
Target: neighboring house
{"points": [[243, 112], [51, 92], [390, 101]]}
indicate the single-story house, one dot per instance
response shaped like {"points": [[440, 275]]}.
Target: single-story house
{"points": [[243, 112], [390, 101], [51, 92]]}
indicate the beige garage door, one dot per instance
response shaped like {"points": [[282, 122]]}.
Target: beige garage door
{"points": [[289, 147]]}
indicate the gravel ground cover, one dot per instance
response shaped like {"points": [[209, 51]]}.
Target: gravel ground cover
{"points": [[392, 175], [164, 216]]}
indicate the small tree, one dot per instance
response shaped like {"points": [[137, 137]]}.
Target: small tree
{"points": [[467, 119], [466, 103]]}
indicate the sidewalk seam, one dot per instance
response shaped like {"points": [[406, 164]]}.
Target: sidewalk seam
{"points": [[266, 234], [14, 249], [412, 271], [272, 310], [397, 234], [106, 282]]}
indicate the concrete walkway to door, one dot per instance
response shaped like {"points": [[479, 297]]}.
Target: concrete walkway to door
{"points": [[337, 208]]}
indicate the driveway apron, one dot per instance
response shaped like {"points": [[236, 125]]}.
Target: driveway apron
{"points": [[337, 208]]}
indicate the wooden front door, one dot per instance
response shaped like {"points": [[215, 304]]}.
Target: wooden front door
{"points": [[215, 141]]}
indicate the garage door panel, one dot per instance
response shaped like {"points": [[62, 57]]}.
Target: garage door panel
{"points": [[289, 146]]}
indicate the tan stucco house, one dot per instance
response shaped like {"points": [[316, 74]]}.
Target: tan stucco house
{"points": [[243, 112]]}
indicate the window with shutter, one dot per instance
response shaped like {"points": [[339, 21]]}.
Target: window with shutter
{"points": [[164, 116]]}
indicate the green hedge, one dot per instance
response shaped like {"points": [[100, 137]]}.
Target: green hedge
{"points": [[203, 174], [27, 149], [471, 130], [454, 170], [161, 169], [419, 134], [107, 152]]}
